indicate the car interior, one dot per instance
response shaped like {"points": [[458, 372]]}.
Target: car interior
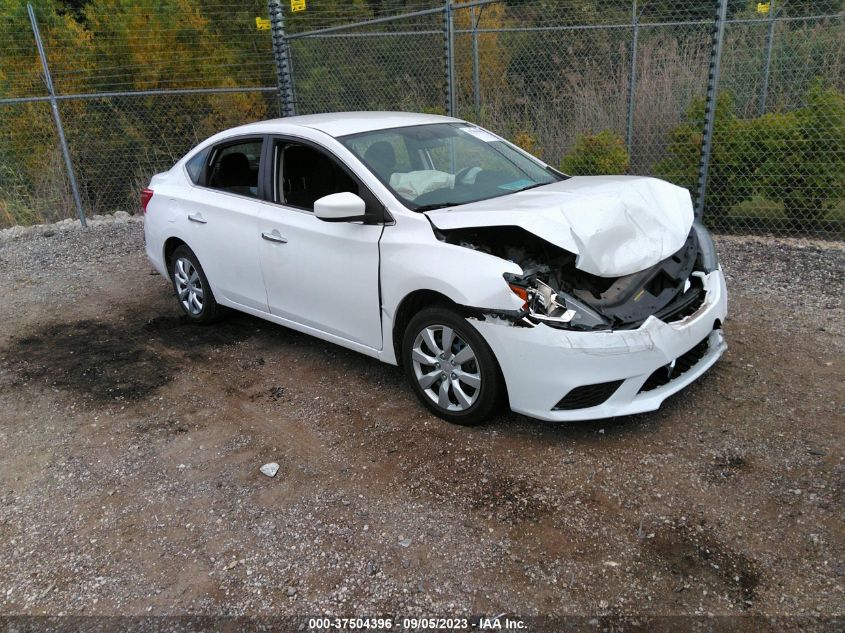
{"points": [[308, 175], [381, 157], [446, 164], [234, 171]]}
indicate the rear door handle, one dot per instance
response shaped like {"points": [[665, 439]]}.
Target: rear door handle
{"points": [[274, 237], [196, 217]]}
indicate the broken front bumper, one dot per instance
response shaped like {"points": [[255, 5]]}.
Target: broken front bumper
{"points": [[560, 375]]}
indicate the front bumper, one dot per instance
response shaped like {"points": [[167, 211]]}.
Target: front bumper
{"points": [[541, 364]]}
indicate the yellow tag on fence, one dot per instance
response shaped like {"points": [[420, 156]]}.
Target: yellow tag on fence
{"points": [[262, 24], [297, 5], [763, 7]]}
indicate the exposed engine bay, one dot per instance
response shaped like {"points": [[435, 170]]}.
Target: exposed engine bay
{"points": [[560, 295]]}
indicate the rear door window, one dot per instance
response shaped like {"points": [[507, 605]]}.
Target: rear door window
{"points": [[234, 168]]}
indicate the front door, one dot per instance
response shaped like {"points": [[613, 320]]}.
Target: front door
{"points": [[322, 275]]}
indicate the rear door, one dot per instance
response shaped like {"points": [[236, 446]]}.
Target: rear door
{"points": [[221, 220], [322, 275]]}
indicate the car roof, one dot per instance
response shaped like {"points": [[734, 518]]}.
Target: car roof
{"points": [[343, 123]]}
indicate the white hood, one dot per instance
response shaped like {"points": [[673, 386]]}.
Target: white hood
{"points": [[616, 225]]}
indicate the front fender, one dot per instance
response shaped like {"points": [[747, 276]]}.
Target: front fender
{"points": [[416, 260]]}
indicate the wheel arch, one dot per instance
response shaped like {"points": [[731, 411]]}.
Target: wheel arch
{"points": [[170, 245], [418, 300], [412, 303]]}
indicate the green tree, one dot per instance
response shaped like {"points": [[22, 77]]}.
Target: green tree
{"points": [[117, 143], [794, 8], [33, 187]]}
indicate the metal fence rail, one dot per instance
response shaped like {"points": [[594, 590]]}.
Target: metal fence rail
{"points": [[742, 102]]}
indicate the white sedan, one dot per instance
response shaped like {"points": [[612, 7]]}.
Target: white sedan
{"points": [[433, 244]]}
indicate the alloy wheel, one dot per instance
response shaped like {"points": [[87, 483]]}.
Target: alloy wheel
{"points": [[188, 286], [446, 368]]}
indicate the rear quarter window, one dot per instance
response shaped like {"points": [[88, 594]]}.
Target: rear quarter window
{"points": [[195, 166]]}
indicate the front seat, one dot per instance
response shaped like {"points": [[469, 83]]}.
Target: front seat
{"points": [[381, 157]]}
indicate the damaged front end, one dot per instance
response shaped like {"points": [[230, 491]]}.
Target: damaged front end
{"points": [[560, 295]]}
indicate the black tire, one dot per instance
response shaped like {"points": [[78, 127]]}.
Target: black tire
{"points": [[209, 312], [491, 393]]}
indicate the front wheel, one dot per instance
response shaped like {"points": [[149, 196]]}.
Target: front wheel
{"points": [[450, 367]]}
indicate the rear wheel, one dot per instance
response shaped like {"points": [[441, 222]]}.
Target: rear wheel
{"points": [[450, 367], [191, 286]]}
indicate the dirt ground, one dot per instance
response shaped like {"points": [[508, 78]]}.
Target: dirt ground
{"points": [[131, 446]]}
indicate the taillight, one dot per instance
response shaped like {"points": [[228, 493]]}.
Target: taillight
{"points": [[146, 196]]}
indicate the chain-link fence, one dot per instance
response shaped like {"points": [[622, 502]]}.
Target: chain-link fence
{"points": [[619, 86], [135, 85]]}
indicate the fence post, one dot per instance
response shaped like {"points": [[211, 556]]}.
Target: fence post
{"points": [[281, 55], [449, 37], [710, 104], [632, 84], [770, 38], [48, 80], [476, 86]]}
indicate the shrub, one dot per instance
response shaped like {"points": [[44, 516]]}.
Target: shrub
{"points": [[526, 140], [732, 162], [596, 154], [795, 158], [802, 157]]}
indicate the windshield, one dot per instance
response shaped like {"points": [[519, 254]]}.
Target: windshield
{"points": [[447, 164]]}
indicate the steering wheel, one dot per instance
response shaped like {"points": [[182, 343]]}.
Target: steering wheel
{"points": [[461, 176]]}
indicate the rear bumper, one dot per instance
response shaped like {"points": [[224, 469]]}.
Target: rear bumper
{"points": [[154, 247], [541, 365]]}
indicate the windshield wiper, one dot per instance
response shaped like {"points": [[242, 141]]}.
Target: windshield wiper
{"points": [[534, 186], [437, 205]]}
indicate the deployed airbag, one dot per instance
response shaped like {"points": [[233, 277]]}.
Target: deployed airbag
{"points": [[412, 184]]}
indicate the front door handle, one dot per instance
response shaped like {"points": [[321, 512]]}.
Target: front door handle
{"points": [[196, 217], [274, 237]]}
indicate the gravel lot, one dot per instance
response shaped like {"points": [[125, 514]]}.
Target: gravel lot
{"points": [[131, 444]]}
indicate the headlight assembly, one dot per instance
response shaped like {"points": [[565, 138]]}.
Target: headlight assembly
{"points": [[706, 248]]}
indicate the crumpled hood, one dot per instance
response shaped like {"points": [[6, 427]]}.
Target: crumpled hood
{"points": [[616, 225]]}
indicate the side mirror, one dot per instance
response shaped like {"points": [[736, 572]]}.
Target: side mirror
{"points": [[340, 207]]}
